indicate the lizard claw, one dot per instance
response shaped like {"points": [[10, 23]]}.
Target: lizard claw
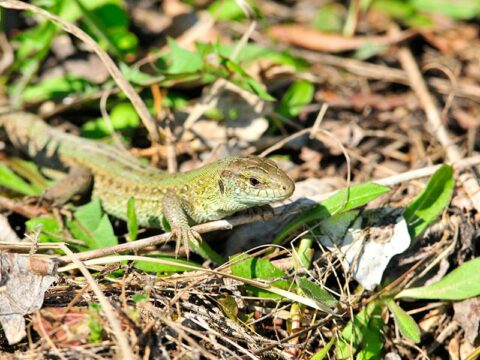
{"points": [[184, 235]]}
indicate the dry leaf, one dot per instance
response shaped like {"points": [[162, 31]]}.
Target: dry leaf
{"points": [[309, 38], [366, 241], [65, 328], [467, 314], [24, 279]]}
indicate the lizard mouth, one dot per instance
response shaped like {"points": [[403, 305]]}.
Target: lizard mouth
{"points": [[265, 196]]}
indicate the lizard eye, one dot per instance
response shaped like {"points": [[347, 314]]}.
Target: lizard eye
{"points": [[253, 181]]}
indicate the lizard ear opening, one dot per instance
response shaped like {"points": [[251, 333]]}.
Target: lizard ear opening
{"points": [[221, 186]]}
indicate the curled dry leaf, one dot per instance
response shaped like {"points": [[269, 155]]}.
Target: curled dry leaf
{"points": [[24, 280], [366, 241], [309, 38]]}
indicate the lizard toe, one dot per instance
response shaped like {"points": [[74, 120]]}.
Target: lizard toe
{"points": [[184, 237]]}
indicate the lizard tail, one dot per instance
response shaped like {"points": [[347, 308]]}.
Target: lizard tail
{"points": [[32, 135]]}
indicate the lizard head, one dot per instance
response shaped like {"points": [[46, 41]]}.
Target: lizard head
{"points": [[253, 181]]}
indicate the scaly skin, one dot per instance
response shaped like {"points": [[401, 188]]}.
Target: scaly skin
{"points": [[209, 193]]}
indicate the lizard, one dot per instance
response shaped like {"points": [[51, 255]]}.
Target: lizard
{"points": [[211, 192]]}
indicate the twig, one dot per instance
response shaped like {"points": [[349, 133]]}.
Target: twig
{"points": [[385, 73], [125, 350], [453, 153], [312, 130], [244, 219], [104, 57], [7, 53]]}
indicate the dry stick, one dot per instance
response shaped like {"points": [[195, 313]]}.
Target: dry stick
{"points": [[107, 61], [385, 73], [7, 53], [417, 83], [126, 351], [244, 219]]}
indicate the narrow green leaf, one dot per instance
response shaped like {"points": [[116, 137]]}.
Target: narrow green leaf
{"points": [[57, 88], [408, 327], [254, 268], [28, 170], [422, 211], [462, 283], [295, 98], [155, 267], [460, 9], [362, 335], [132, 222], [315, 292], [357, 196], [303, 255], [322, 353], [11, 181]]}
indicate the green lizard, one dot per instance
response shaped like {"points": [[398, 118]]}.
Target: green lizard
{"points": [[209, 193]]}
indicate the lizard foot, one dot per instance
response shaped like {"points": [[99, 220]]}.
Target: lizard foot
{"points": [[184, 235]]}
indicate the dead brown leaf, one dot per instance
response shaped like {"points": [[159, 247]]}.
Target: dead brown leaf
{"points": [[309, 38], [24, 280]]}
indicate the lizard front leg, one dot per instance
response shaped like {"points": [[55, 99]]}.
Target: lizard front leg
{"points": [[77, 181], [177, 218]]}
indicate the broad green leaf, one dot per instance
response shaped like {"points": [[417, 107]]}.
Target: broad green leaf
{"points": [[11, 181], [48, 225], [422, 211], [362, 335], [91, 225], [358, 195], [154, 267], [132, 222], [108, 22], [315, 292], [134, 75], [253, 268], [296, 97], [90, 214], [182, 60], [124, 119], [322, 353], [462, 283], [103, 236], [408, 327]]}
